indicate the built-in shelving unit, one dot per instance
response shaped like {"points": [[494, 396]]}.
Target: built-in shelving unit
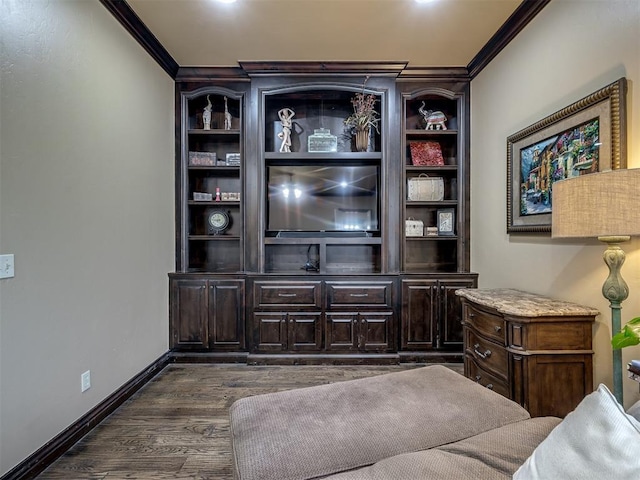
{"points": [[435, 154], [314, 264], [210, 166], [322, 201]]}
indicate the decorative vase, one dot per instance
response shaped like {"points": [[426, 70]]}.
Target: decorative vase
{"points": [[362, 139]]}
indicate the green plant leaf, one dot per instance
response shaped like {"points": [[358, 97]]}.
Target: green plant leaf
{"points": [[628, 336]]}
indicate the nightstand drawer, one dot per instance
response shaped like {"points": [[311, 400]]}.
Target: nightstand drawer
{"points": [[487, 354], [485, 378], [377, 294], [492, 326]]}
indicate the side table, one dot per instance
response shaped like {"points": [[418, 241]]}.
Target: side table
{"points": [[530, 348]]}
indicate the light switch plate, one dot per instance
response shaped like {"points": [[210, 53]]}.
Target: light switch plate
{"points": [[6, 266], [85, 380]]}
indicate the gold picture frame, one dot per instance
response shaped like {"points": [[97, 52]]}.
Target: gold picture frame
{"points": [[587, 136]]}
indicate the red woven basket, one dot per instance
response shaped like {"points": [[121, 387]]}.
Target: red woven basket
{"points": [[426, 154]]}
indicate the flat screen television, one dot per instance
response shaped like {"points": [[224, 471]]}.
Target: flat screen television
{"points": [[323, 200]]}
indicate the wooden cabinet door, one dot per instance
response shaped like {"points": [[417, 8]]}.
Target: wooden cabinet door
{"points": [[226, 315], [304, 331], [419, 314], [342, 331], [189, 315], [451, 313], [270, 331], [375, 331], [360, 331], [284, 331]]}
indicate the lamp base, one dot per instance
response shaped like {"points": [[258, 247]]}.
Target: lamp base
{"points": [[616, 290]]}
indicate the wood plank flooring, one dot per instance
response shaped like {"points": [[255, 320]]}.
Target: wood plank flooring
{"points": [[177, 426]]}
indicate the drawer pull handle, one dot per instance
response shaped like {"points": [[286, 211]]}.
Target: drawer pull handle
{"points": [[484, 355], [287, 294], [478, 378], [359, 295], [489, 386], [497, 328]]}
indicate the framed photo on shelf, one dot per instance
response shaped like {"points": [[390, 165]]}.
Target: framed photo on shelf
{"points": [[587, 136], [446, 221], [232, 159]]}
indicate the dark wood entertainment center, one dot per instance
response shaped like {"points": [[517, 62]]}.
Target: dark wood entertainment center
{"points": [[336, 279]]}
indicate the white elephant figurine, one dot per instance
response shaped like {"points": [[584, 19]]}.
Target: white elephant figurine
{"points": [[433, 118]]}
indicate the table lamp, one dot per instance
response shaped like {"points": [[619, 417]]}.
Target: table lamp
{"points": [[605, 205]]}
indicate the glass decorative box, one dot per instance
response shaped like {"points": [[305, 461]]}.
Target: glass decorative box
{"points": [[322, 141]]}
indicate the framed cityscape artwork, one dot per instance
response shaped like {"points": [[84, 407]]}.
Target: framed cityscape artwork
{"points": [[585, 137]]}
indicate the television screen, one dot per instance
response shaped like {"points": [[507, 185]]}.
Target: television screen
{"points": [[321, 198]]}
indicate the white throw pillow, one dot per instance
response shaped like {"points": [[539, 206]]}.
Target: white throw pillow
{"points": [[598, 440], [634, 410]]}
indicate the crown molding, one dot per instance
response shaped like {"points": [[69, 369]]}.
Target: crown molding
{"points": [[322, 68], [519, 19], [121, 10], [435, 73], [200, 74]]}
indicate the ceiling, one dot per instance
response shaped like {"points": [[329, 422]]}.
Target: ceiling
{"points": [[207, 33]]}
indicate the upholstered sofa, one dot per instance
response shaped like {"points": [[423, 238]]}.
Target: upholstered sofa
{"points": [[430, 423]]}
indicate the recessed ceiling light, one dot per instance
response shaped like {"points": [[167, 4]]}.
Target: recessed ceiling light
{"points": [[425, 1], [226, 1]]}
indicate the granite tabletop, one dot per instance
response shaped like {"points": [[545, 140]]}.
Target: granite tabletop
{"points": [[516, 302]]}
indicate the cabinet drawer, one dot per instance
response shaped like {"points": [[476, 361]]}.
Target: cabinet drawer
{"points": [[491, 326], [282, 294], [487, 354], [340, 295], [485, 378]]}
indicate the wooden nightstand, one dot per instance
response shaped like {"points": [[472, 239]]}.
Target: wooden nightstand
{"points": [[532, 349]]}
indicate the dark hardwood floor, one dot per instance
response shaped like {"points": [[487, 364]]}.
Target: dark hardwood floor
{"points": [[177, 426]]}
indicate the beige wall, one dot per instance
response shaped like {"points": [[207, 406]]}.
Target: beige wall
{"points": [[571, 49], [86, 206]]}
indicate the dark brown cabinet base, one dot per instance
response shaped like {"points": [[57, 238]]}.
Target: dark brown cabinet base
{"points": [[431, 317], [344, 315], [207, 314], [359, 332], [287, 332], [320, 319]]}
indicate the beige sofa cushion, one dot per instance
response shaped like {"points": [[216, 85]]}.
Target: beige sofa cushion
{"points": [[495, 454], [317, 431]]}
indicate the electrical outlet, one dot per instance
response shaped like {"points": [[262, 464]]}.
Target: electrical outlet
{"points": [[86, 380], [6, 266]]}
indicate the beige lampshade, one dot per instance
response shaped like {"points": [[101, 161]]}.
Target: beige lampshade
{"points": [[597, 205]]}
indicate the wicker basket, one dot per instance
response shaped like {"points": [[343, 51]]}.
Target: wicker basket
{"points": [[425, 189]]}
